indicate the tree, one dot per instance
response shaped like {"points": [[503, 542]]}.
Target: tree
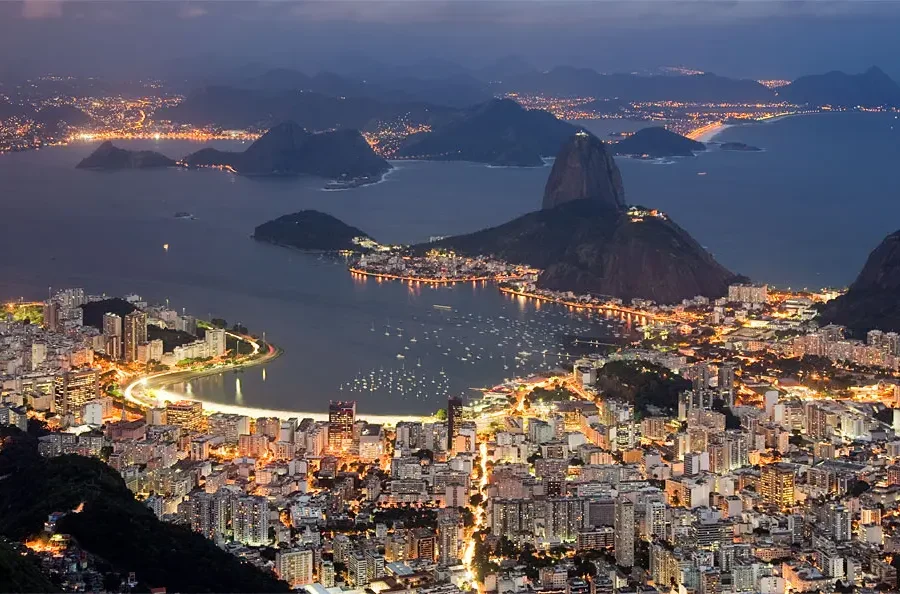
{"points": [[441, 414]]}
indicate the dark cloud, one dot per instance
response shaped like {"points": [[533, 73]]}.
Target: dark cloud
{"points": [[744, 37]]}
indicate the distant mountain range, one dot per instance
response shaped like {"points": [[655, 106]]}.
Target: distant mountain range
{"points": [[871, 88], [498, 132], [872, 300], [241, 108], [108, 156], [657, 142], [585, 82], [288, 149], [586, 240]]}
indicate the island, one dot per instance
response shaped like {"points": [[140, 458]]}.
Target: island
{"points": [[500, 132], [738, 146], [107, 156], [287, 149], [657, 142], [311, 230]]}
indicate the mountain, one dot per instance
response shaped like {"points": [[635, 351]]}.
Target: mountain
{"points": [[871, 88], [498, 132], [585, 239], [109, 156], [112, 525], [584, 170], [309, 230], [288, 149], [585, 82], [657, 142], [241, 108], [871, 302]]}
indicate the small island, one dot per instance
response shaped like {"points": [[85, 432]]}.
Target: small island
{"points": [[738, 146], [109, 157], [311, 230], [657, 142]]}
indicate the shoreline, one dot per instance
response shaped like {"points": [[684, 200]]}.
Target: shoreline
{"points": [[149, 390]]}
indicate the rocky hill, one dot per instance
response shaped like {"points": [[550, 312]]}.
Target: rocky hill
{"points": [[586, 240], [871, 302], [657, 142], [309, 230], [584, 170], [108, 156], [111, 524], [498, 132], [288, 149], [871, 88]]}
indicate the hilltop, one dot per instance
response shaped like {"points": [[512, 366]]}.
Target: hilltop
{"points": [[113, 525], [288, 149], [586, 240], [871, 302], [309, 230], [108, 156], [498, 132], [872, 88], [657, 142]]}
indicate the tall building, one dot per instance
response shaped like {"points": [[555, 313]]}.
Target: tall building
{"points": [[454, 418], [624, 526], [74, 389], [135, 333], [776, 484], [209, 515], [295, 566], [341, 416], [215, 341], [112, 333], [187, 414], [250, 520], [449, 525], [726, 382], [655, 520], [326, 574], [51, 316]]}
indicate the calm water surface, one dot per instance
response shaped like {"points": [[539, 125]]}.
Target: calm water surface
{"points": [[805, 212]]}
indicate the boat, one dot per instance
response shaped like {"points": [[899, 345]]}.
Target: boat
{"points": [[401, 356], [443, 307]]}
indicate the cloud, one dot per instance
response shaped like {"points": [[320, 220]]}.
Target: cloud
{"points": [[42, 9], [191, 11]]}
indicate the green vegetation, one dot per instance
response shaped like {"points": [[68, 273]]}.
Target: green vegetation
{"points": [[643, 384], [192, 361], [21, 573], [112, 524], [21, 312], [548, 395], [441, 414]]}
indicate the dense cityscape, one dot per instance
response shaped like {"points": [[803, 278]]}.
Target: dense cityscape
{"points": [[736, 447], [497, 372]]}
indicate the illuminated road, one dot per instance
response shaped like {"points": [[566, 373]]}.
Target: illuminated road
{"points": [[149, 391]]}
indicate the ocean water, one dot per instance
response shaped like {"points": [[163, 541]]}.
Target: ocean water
{"points": [[805, 212]]}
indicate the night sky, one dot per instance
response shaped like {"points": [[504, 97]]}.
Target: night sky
{"points": [[745, 38]]}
